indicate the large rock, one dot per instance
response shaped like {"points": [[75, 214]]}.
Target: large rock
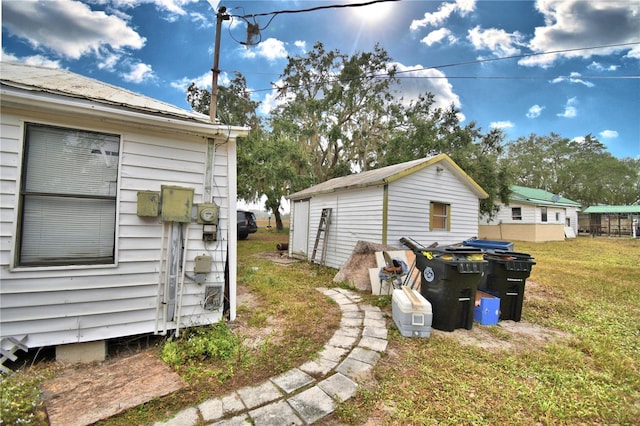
{"points": [[356, 270]]}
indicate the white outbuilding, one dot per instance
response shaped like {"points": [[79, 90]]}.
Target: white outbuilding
{"points": [[431, 200], [117, 212]]}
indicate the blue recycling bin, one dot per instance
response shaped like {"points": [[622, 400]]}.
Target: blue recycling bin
{"points": [[488, 244]]}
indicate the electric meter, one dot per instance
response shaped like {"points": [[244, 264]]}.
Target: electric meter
{"points": [[207, 213]]}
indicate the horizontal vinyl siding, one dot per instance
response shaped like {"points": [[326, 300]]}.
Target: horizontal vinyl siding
{"points": [[356, 215], [71, 304], [409, 206]]}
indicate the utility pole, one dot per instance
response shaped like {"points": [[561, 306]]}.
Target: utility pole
{"points": [[220, 16]]}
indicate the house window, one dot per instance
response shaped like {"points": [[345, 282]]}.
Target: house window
{"points": [[543, 214], [557, 217], [516, 213], [439, 216], [68, 197]]}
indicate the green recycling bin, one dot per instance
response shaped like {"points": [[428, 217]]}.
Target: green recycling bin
{"points": [[505, 278], [449, 281]]}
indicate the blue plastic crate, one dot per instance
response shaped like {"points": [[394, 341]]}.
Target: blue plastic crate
{"points": [[487, 309]]}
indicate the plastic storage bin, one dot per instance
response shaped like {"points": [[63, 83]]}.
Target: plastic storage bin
{"points": [[449, 280], [505, 278], [487, 309], [411, 313], [488, 244]]}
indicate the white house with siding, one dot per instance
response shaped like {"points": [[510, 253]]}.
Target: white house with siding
{"points": [[117, 212], [428, 199], [532, 215]]}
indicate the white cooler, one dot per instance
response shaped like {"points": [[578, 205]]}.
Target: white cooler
{"points": [[411, 312]]}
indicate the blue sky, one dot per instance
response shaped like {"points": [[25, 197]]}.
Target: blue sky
{"points": [[454, 49]]}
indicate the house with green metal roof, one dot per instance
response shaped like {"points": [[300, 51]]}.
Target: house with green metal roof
{"points": [[614, 220], [532, 215]]}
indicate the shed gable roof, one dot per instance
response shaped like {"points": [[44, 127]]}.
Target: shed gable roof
{"points": [[385, 175], [539, 197]]}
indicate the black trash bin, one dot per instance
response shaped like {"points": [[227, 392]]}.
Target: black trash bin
{"points": [[450, 278], [505, 278]]}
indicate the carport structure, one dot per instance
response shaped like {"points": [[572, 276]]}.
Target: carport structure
{"points": [[614, 220]]}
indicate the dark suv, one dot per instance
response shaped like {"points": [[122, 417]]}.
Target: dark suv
{"points": [[246, 224]]}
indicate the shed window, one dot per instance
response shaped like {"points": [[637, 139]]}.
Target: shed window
{"points": [[439, 216], [543, 214], [68, 197], [516, 213]]}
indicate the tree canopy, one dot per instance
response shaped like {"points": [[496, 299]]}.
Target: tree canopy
{"points": [[339, 114]]}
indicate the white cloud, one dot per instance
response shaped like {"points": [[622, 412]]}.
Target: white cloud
{"points": [[499, 42], [36, 60], [597, 66], [609, 134], [271, 49], [501, 125], [271, 100], [571, 24], [570, 110], [429, 80], [535, 111], [462, 7], [139, 72], [302, 45], [437, 36], [68, 28], [574, 79]]}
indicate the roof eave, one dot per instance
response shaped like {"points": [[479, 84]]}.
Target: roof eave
{"points": [[43, 101]]}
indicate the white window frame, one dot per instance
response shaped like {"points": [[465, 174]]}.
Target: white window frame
{"points": [[67, 206]]}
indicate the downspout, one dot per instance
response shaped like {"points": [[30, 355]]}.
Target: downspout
{"points": [[385, 212]]}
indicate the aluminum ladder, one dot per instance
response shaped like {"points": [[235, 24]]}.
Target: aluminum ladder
{"points": [[323, 229]]}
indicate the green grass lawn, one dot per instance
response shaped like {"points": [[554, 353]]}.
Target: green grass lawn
{"points": [[587, 289]]}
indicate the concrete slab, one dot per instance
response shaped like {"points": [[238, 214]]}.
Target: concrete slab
{"points": [[85, 352], [354, 369], [319, 367], [188, 417], [292, 380], [351, 322], [342, 340], [374, 322], [232, 403], [372, 311], [339, 387], [313, 404], [378, 345], [279, 413], [365, 355], [353, 314], [349, 307], [333, 353], [349, 331], [258, 395], [241, 420], [377, 332], [211, 409]]}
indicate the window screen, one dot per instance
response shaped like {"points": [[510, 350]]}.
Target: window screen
{"points": [[68, 197], [516, 213], [439, 217]]}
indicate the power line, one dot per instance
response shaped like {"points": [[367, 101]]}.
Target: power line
{"points": [[525, 55], [480, 61]]}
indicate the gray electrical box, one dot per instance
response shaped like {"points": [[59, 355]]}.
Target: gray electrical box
{"points": [[202, 264]]}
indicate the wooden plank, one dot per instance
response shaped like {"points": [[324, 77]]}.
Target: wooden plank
{"points": [[83, 396]]}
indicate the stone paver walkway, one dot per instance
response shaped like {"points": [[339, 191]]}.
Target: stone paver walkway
{"points": [[306, 394]]}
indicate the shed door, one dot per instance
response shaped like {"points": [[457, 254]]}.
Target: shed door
{"points": [[300, 227]]}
